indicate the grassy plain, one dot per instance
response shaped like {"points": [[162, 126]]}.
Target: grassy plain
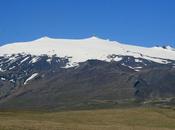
{"points": [[104, 119]]}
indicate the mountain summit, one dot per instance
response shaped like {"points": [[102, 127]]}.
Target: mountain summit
{"points": [[82, 50]]}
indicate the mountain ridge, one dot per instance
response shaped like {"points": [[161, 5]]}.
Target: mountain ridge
{"points": [[82, 50]]}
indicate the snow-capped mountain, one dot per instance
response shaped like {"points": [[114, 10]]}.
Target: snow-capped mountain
{"points": [[85, 49], [92, 68]]}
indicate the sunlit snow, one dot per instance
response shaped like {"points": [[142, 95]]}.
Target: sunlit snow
{"points": [[83, 49]]}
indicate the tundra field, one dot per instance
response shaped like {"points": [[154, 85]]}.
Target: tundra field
{"points": [[104, 119]]}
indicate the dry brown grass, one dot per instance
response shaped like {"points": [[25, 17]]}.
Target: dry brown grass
{"points": [[109, 119]]}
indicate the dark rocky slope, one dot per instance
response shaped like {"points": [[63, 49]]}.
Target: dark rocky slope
{"points": [[92, 83]]}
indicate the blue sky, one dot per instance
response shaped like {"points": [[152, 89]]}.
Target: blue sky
{"points": [[139, 22]]}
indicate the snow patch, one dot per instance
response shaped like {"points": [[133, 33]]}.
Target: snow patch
{"points": [[49, 61], [139, 67], [12, 67], [70, 65], [12, 58], [133, 68], [136, 70], [24, 59], [113, 58], [12, 80], [117, 58], [138, 60], [57, 60], [30, 78], [3, 79], [34, 60], [1, 70]]}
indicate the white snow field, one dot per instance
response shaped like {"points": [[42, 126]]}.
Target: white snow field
{"points": [[90, 48]]}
